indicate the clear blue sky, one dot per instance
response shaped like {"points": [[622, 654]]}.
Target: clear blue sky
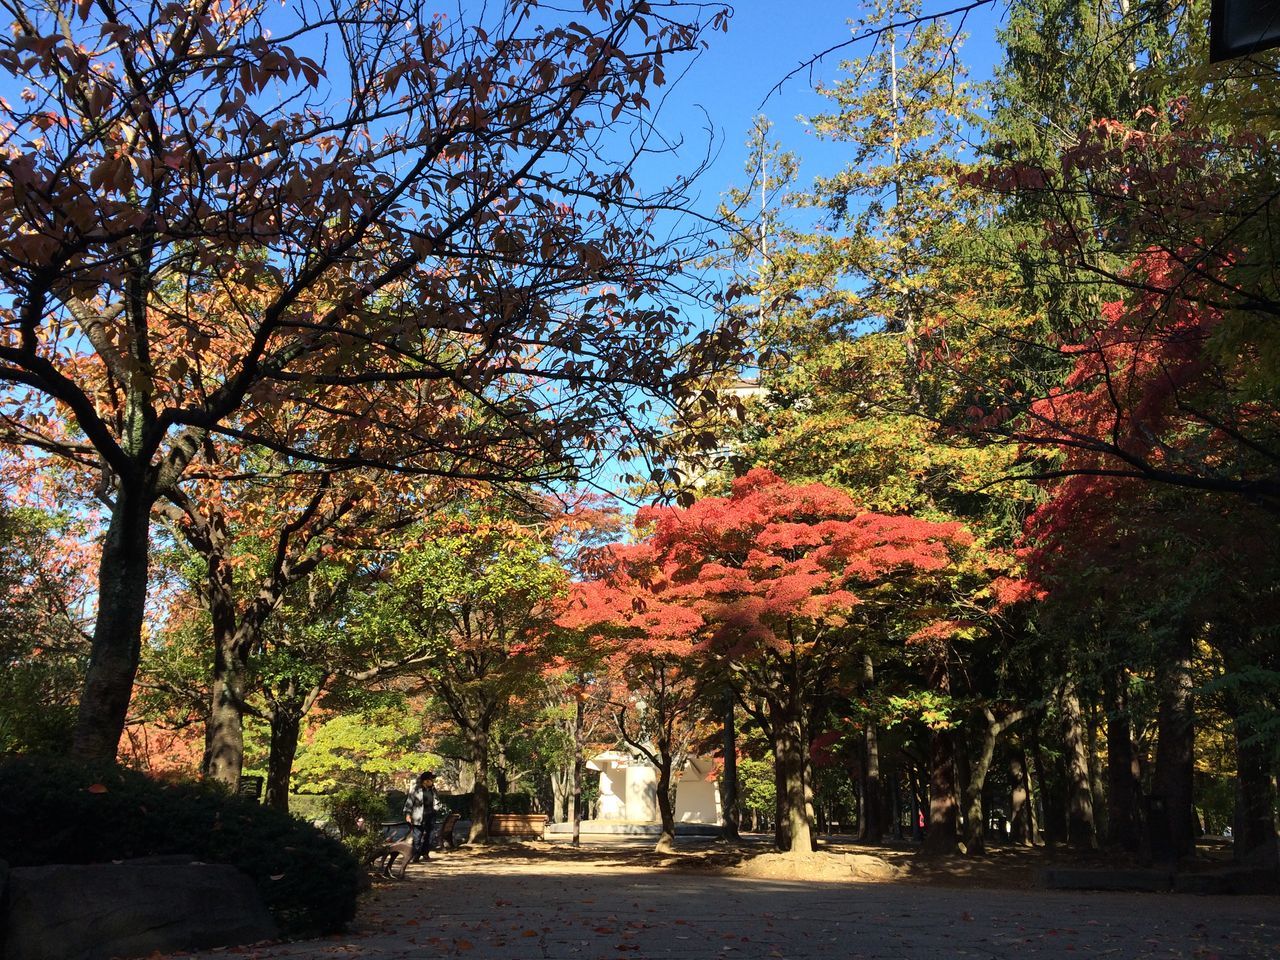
{"points": [[733, 81]]}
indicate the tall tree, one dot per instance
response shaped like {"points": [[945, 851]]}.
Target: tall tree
{"points": [[434, 212], [479, 593], [779, 582]]}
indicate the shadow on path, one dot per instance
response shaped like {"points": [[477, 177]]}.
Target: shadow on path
{"points": [[532, 903]]}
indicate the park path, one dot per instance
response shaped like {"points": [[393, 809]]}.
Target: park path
{"points": [[480, 908]]}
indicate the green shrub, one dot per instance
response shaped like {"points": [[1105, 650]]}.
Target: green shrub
{"points": [[311, 807], [395, 804], [460, 803], [55, 810], [358, 812], [511, 803]]}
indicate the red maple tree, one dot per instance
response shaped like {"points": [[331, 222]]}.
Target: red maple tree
{"points": [[772, 585]]}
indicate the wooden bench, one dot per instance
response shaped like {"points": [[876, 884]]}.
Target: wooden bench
{"points": [[446, 832], [517, 824]]}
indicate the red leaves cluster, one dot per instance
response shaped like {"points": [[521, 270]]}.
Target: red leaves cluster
{"points": [[771, 565]]}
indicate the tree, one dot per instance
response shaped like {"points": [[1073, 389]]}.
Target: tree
{"points": [[875, 301], [478, 594], [1148, 189], [45, 606], [779, 582], [257, 532], [648, 671], [373, 748], [437, 216]]}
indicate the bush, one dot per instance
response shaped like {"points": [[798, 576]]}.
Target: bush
{"points": [[511, 803], [55, 810], [358, 813], [460, 803], [356, 810], [395, 804]]}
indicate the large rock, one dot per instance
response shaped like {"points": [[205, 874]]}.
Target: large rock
{"points": [[129, 909]]}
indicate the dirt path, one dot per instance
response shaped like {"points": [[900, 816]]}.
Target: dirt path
{"points": [[533, 903]]}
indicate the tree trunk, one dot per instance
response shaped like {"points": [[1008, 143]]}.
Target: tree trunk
{"points": [[794, 829], [224, 738], [975, 812], [286, 726], [781, 824], [561, 788], [1123, 787], [944, 805], [1096, 789], [1253, 833], [117, 634], [1080, 832], [895, 800], [666, 811], [729, 792], [1035, 791], [478, 745], [577, 772], [917, 810], [1175, 756], [1019, 801], [1051, 798], [871, 827]]}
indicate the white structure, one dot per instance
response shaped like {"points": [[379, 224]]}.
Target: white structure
{"points": [[629, 789]]}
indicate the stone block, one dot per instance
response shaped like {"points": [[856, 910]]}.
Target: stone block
{"points": [[1231, 880], [129, 909], [1077, 878]]}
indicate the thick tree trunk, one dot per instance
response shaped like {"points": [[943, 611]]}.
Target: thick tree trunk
{"points": [[1080, 832], [944, 805], [975, 810], [224, 738], [1175, 756], [794, 829], [1253, 829], [1123, 786], [286, 726], [117, 635], [666, 811], [478, 746], [973, 833], [729, 791], [1019, 801]]}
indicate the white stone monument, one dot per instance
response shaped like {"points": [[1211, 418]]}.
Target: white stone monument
{"points": [[629, 789]]}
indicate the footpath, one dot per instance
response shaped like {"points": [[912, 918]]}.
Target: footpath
{"points": [[517, 907]]}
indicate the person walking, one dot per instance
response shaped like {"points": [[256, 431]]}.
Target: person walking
{"points": [[420, 813]]}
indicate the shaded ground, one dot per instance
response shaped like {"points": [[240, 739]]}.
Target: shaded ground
{"points": [[551, 902]]}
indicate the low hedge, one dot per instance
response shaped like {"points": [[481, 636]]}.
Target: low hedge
{"points": [[55, 810], [358, 813], [460, 803]]}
